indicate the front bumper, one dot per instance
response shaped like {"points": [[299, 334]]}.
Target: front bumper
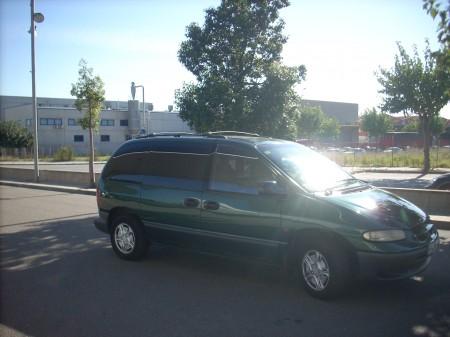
{"points": [[392, 266], [101, 222]]}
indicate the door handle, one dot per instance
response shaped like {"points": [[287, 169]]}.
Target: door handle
{"points": [[211, 205], [191, 202]]}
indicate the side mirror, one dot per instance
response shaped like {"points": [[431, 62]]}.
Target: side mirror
{"points": [[271, 187]]}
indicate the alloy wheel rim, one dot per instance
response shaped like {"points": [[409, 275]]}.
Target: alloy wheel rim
{"points": [[124, 238], [315, 270]]}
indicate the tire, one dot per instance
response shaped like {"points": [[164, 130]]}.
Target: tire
{"points": [[128, 238], [323, 270]]}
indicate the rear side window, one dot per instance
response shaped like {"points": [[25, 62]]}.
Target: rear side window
{"points": [[124, 167], [175, 170]]}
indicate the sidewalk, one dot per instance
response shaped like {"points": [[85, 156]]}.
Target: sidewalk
{"points": [[43, 163], [441, 221]]}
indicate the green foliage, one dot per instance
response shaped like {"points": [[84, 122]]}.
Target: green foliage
{"points": [[433, 8], [64, 153], [241, 84], [329, 129], [309, 121], [411, 158], [437, 125], [416, 86], [13, 135], [312, 123], [375, 123], [90, 94]]}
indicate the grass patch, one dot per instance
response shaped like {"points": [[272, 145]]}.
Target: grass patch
{"points": [[439, 158]]}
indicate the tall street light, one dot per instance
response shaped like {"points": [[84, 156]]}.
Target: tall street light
{"points": [[133, 93], [38, 18]]}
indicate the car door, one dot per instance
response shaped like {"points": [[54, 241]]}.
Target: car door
{"points": [[240, 219], [171, 193]]}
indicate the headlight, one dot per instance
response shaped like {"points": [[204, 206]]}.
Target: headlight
{"points": [[385, 235]]}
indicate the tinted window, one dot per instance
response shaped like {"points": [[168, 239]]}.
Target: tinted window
{"points": [[125, 167], [124, 122], [238, 174], [167, 145], [104, 138], [237, 149], [175, 170]]}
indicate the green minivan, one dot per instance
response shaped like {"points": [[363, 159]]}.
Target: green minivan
{"points": [[265, 199]]}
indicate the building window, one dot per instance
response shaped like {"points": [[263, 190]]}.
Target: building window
{"points": [[72, 122], [107, 122], [78, 138], [28, 122], [50, 121], [104, 138], [124, 122]]}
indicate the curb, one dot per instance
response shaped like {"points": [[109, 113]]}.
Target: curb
{"points": [[57, 188], [441, 222]]}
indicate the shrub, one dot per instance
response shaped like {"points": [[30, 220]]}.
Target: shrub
{"points": [[64, 153]]}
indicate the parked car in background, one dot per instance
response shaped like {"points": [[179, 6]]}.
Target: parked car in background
{"points": [[392, 149], [265, 199], [440, 183]]}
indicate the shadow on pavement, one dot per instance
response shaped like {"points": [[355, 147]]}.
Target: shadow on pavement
{"points": [[61, 278]]}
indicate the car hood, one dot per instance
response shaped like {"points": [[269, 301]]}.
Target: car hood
{"points": [[381, 207]]}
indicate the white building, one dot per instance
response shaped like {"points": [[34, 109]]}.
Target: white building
{"points": [[58, 122]]}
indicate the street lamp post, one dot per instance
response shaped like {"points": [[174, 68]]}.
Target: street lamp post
{"points": [[35, 17], [143, 101]]}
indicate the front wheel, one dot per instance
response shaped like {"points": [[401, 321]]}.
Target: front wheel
{"points": [[323, 271], [128, 238]]}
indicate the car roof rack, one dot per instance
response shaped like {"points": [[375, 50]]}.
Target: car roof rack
{"points": [[229, 133], [167, 134]]}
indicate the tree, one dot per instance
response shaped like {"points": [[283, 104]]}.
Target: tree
{"points": [[442, 56], [241, 83], [415, 86], [309, 121], [434, 9], [375, 123], [329, 129], [89, 93], [437, 126], [312, 123], [14, 136]]}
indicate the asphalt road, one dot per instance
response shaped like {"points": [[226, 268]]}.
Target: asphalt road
{"points": [[59, 277]]}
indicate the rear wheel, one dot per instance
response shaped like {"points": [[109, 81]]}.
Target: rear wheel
{"points": [[128, 238], [324, 271]]}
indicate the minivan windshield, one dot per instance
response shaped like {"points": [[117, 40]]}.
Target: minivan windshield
{"points": [[310, 169]]}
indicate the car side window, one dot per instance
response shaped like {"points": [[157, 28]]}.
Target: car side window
{"points": [[231, 173], [175, 170]]}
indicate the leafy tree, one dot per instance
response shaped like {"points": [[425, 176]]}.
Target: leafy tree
{"points": [[412, 126], [89, 93], [442, 56], [13, 135], [241, 83], [433, 8], [437, 126], [415, 86], [309, 121], [329, 129], [375, 123], [312, 123]]}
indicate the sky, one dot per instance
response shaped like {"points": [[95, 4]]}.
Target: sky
{"points": [[341, 43]]}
